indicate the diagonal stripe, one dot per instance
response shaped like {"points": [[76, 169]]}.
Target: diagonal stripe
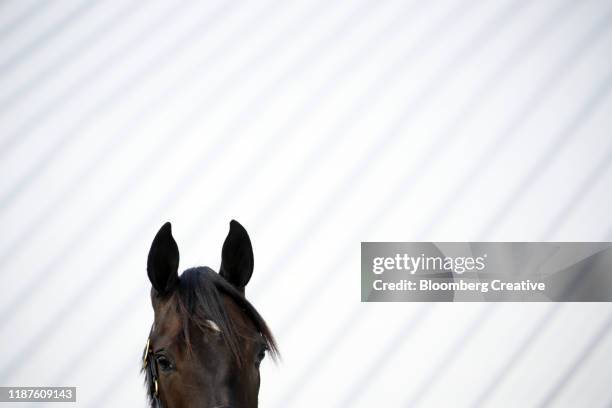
{"points": [[38, 281], [521, 351], [124, 310], [516, 355], [385, 355], [70, 306], [126, 86], [171, 137], [35, 9], [583, 113], [584, 355], [295, 388], [339, 130], [328, 282], [547, 158], [583, 186], [112, 22], [97, 220], [556, 78], [343, 192], [480, 97], [120, 310], [535, 99], [286, 133], [590, 180], [451, 354], [109, 390], [43, 39]]}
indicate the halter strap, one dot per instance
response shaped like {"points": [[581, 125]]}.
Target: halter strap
{"points": [[149, 364]]}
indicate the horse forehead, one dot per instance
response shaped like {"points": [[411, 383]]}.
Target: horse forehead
{"points": [[240, 319], [167, 319], [168, 322]]}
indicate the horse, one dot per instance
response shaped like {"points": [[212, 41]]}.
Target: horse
{"points": [[207, 341]]}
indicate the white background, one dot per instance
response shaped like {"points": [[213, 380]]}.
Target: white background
{"points": [[317, 125]]}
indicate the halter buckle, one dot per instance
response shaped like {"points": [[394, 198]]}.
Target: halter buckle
{"points": [[145, 362], [146, 354]]}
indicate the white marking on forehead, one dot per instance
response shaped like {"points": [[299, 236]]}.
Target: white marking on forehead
{"points": [[213, 326]]}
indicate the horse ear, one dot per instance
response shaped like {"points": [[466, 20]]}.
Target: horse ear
{"points": [[163, 261], [237, 257]]}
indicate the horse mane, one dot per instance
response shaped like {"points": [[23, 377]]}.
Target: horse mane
{"points": [[199, 301]]}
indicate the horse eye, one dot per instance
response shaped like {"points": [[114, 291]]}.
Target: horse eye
{"points": [[163, 363], [261, 355]]}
